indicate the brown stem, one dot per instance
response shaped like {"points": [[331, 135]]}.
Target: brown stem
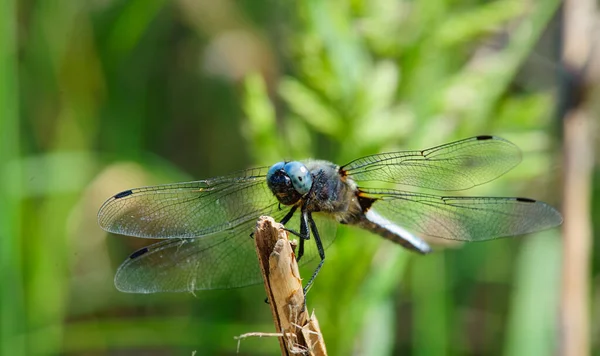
{"points": [[579, 57], [301, 333]]}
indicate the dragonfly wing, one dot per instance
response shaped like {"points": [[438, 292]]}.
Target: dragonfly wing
{"points": [[464, 218], [223, 260], [454, 166], [188, 210], [219, 261]]}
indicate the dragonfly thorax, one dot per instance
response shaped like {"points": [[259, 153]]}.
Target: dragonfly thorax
{"points": [[289, 181]]}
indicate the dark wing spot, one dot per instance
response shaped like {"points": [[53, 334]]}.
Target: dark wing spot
{"points": [[484, 137], [139, 253], [526, 200], [364, 202], [124, 194]]}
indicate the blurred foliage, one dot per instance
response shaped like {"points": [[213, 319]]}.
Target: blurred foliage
{"points": [[100, 96]]}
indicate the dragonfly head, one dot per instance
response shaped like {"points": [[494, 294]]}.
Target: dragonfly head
{"points": [[289, 181]]}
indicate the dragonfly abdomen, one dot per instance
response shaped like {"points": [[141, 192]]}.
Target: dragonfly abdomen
{"points": [[381, 226]]}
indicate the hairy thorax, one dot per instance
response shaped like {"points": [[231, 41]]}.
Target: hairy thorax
{"points": [[331, 193]]}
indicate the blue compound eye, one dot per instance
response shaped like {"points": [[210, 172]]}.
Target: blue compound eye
{"points": [[274, 169], [300, 176]]}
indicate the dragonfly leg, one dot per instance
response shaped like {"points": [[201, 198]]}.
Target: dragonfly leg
{"points": [[320, 248], [287, 218], [304, 234], [289, 215], [284, 221], [300, 250], [304, 229]]}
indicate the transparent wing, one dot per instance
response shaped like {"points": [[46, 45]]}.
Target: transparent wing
{"points": [[188, 210], [226, 259], [464, 218], [223, 260], [207, 225], [454, 166]]}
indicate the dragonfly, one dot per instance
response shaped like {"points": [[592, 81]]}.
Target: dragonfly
{"points": [[204, 226]]}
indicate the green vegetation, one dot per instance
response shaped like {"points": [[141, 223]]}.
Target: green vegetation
{"points": [[100, 96]]}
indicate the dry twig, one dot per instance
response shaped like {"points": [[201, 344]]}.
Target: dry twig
{"points": [[581, 59], [300, 334]]}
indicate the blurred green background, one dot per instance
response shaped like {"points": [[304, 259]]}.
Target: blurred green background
{"points": [[100, 96]]}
